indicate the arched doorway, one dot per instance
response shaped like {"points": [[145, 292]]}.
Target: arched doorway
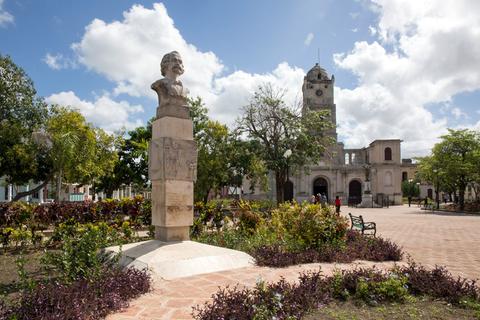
{"points": [[288, 191], [320, 186], [354, 192]]}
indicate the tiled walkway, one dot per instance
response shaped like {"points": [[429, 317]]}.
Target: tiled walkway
{"points": [[429, 238]]}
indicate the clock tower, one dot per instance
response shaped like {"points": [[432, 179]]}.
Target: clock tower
{"points": [[318, 94]]}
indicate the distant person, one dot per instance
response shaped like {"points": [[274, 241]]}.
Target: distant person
{"points": [[324, 198], [426, 201], [409, 201], [313, 199], [337, 205]]}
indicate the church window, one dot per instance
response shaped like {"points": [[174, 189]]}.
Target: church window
{"points": [[388, 178], [404, 176], [347, 158], [388, 153], [353, 158]]}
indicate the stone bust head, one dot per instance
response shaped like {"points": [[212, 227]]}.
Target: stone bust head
{"points": [[172, 65], [170, 90]]}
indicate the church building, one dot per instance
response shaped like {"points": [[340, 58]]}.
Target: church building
{"points": [[367, 176]]}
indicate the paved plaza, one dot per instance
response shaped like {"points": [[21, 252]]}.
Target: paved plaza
{"points": [[429, 238]]}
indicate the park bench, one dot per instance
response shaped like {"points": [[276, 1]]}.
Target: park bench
{"points": [[357, 222]]}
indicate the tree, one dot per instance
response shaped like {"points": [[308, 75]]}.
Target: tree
{"points": [[410, 188], [21, 114], [276, 128], [131, 166], [453, 163], [79, 152], [223, 158]]}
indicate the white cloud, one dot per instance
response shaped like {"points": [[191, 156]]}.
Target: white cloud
{"points": [[129, 52], [457, 113], [308, 39], [234, 91], [5, 17], [58, 62], [354, 30], [103, 112], [426, 53]]}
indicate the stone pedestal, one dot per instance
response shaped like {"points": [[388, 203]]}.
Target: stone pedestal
{"points": [[172, 170], [367, 201]]}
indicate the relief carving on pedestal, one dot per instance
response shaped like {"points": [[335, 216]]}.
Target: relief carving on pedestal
{"points": [[172, 159]]}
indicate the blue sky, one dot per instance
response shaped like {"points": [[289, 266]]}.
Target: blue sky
{"points": [[403, 69]]}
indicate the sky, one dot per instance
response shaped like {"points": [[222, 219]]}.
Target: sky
{"points": [[404, 69]]}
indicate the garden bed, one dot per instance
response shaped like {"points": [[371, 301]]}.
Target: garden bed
{"points": [[292, 234], [320, 294]]}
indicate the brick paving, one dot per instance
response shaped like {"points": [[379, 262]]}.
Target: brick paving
{"points": [[430, 239]]}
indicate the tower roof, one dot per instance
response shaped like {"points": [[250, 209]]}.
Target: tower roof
{"points": [[317, 73]]}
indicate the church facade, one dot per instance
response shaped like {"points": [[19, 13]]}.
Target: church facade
{"points": [[374, 172]]}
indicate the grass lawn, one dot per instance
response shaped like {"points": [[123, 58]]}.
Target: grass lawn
{"points": [[417, 309]]}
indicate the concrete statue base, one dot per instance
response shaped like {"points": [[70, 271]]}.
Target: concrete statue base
{"points": [[367, 201], [171, 260]]}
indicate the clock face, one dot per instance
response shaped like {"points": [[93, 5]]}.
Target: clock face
{"points": [[319, 92]]}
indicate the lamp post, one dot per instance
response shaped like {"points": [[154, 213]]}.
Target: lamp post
{"points": [[437, 200], [287, 184], [287, 155]]}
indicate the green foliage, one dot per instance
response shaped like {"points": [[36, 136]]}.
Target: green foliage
{"points": [[454, 162], [392, 289], [79, 256], [26, 282], [80, 153], [131, 164], [294, 227], [307, 226], [223, 158], [21, 113], [410, 189], [338, 290], [17, 237]]}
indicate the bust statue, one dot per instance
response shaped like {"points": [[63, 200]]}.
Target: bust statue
{"points": [[170, 91]]}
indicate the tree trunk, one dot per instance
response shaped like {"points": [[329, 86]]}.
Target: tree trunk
{"points": [[279, 183], [20, 195], [93, 192], [59, 186], [461, 198], [205, 198]]}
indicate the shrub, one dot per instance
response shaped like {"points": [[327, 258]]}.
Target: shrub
{"points": [[79, 256], [282, 300], [439, 283], [248, 221], [357, 247], [18, 237], [81, 299], [38, 217], [308, 226], [374, 249], [391, 289]]}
